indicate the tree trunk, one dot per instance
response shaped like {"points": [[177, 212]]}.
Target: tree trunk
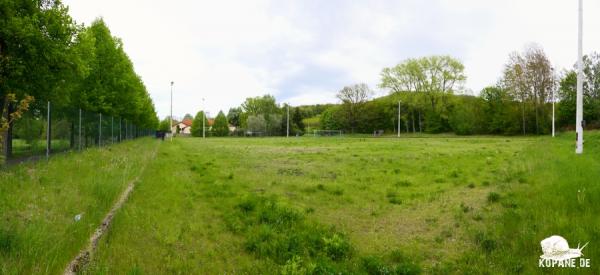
{"points": [[412, 115], [420, 127]]}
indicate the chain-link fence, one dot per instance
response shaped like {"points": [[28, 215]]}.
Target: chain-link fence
{"points": [[46, 130]]}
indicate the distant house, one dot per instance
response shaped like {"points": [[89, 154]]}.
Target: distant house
{"points": [[184, 127]]}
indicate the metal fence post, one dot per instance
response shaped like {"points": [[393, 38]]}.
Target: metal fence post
{"points": [[48, 133], [79, 129]]}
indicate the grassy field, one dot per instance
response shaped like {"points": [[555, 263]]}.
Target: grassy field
{"points": [[38, 203], [307, 205]]}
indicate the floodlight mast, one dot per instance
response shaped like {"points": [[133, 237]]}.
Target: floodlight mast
{"points": [[579, 113], [171, 118], [553, 100], [399, 101]]}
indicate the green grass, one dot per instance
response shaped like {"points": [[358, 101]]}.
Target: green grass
{"points": [[38, 203], [434, 204], [371, 197], [38, 147]]}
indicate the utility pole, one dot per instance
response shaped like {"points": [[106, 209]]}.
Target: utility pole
{"points": [[171, 118], [553, 99], [288, 122], [399, 101], [553, 119], [579, 113], [203, 119]]}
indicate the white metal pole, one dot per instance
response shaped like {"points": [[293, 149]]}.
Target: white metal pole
{"points": [[553, 120], [579, 113], [203, 119], [288, 122], [171, 118], [399, 118]]}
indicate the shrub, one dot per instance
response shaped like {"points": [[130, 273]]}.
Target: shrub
{"points": [[493, 197], [282, 234], [400, 265], [336, 247]]}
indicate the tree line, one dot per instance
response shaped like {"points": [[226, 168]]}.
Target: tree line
{"points": [[46, 56], [432, 98]]}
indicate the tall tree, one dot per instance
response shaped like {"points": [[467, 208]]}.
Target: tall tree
{"points": [[568, 96], [353, 98], [197, 124], [233, 116], [530, 79], [297, 120], [221, 126], [264, 106], [35, 43], [434, 75]]}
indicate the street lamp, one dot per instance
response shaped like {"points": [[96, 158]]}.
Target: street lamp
{"points": [[399, 101], [171, 118], [288, 121], [553, 100], [579, 113]]}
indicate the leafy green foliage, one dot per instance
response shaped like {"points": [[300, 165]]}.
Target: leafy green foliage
{"points": [[165, 125], [221, 126], [197, 124], [45, 54]]}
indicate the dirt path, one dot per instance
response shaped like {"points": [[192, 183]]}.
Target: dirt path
{"points": [[85, 255]]}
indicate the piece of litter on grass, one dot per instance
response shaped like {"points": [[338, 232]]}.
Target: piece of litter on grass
{"points": [[78, 217]]}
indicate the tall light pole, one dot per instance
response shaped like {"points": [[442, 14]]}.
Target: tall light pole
{"points": [[171, 118], [288, 121], [553, 100], [399, 118], [579, 113], [203, 119]]}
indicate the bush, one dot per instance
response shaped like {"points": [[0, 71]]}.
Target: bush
{"points": [[336, 247], [400, 265], [282, 234], [493, 197]]}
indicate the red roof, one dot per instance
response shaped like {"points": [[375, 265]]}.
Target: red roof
{"points": [[187, 122]]}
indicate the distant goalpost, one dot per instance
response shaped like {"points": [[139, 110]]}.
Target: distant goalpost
{"points": [[327, 133]]}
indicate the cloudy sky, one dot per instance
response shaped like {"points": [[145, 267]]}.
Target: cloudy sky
{"points": [[304, 51]]}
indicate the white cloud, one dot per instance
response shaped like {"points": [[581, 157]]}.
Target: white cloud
{"points": [[304, 51]]}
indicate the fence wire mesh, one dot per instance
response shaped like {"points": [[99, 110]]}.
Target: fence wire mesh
{"points": [[45, 130]]}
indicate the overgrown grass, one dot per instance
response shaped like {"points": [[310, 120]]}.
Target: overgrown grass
{"points": [[445, 205], [308, 205], [552, 192], [38, 203]]}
